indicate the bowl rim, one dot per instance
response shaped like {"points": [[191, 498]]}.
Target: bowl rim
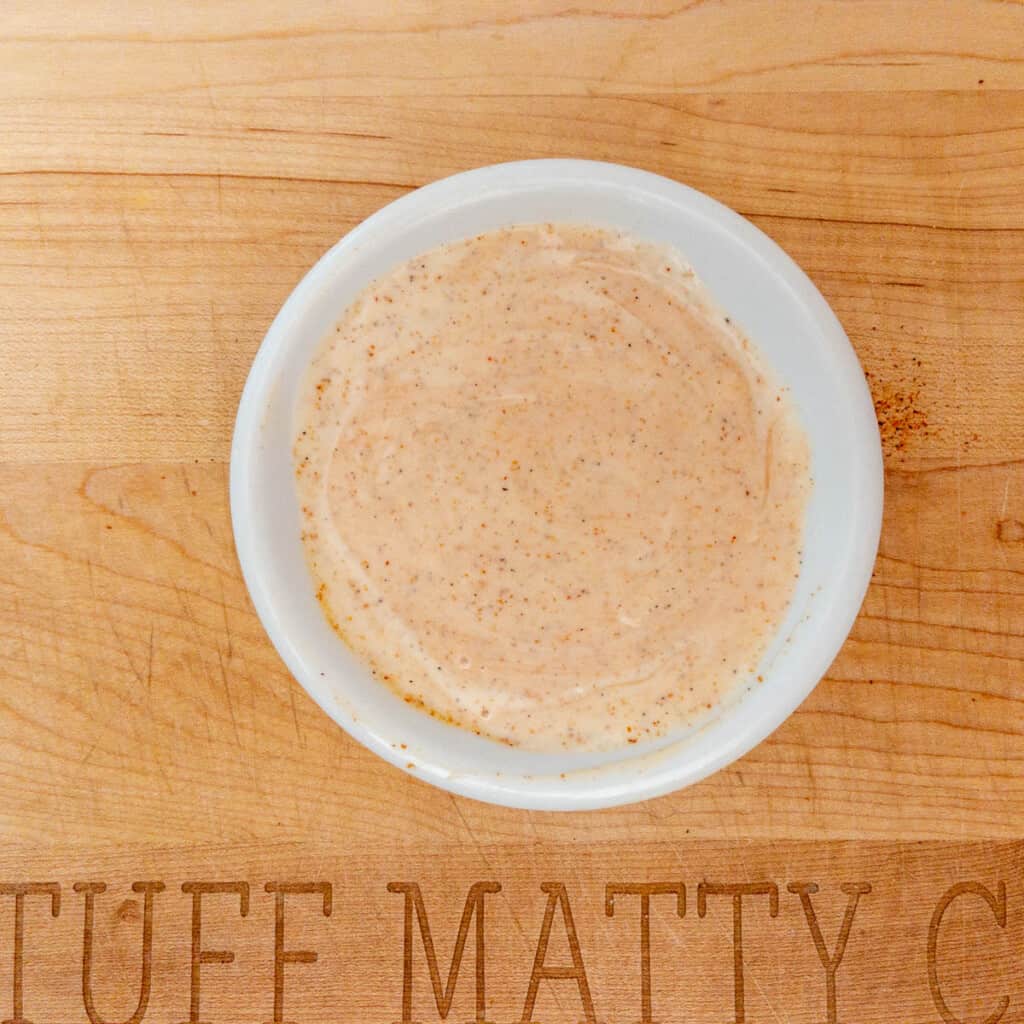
{"points": [[584, 791]]}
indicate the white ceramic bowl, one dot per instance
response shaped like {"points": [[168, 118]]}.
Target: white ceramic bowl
{"points": [[765, 293]]}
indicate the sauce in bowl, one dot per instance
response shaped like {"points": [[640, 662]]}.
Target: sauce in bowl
{"points": [[550, 493]]}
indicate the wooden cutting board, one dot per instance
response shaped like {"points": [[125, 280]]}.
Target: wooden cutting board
{"points": [[168, 172]]}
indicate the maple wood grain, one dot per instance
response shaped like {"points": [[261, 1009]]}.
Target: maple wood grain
{"points": [[168, 173]]}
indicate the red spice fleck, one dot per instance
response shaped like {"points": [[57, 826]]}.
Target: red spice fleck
{"points": [[901, 414]]}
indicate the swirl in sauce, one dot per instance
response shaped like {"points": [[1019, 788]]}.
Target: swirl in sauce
{"points": [[550, 493]]}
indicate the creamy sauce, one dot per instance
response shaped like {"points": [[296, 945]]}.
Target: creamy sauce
{"points": [[550, 493]]}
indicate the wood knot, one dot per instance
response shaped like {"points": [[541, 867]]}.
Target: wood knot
{"points": [[1010, 531], [128, 911]]}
